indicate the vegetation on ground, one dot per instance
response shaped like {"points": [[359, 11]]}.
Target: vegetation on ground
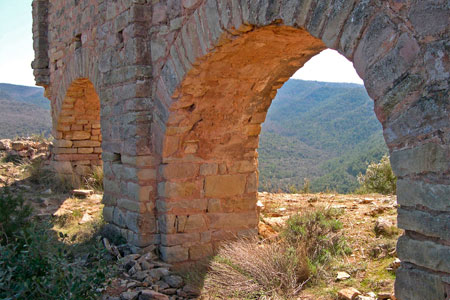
{"points": [[280, 267], [37, 263], [379, 178]]}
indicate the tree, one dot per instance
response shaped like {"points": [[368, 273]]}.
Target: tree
{"points": [[379, 178]]}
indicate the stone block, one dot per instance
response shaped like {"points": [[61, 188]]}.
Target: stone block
{"points": [[232, 220], [108, 213], [418, 193], [174, 254], [179, 170], [180, 239], [130, 205], [434, 225], [119, 218], [200, 251], [194, 223], [225, 185], [81, 135], [62, 167], [63, 143], [85, 150], [85, 143], [415, 284], [209, 169], [424, 253], [182, 206], [146, 174], [428, 157], [179, 189]]}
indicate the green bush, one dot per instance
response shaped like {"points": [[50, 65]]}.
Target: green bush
{"points": [[379, 178], [318, 232], [14, 215], [35, 264]]}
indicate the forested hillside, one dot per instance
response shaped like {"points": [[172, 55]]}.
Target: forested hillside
{"points": [[324, 132], [23, 111]]}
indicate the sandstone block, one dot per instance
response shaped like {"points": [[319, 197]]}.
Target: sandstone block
{"points": [[209, 169], [85, 150], [411, 283], [81, 135], [200, 251], [232, 220], [130, 205], [179, 189], [413, 192], [180, 170], [85, 143], [429, 157], [180, 238], [424, 253], [224, 185], [146, 174], [182, 206], [62, 167], [436, 225], [63, 143], [174, 254]]}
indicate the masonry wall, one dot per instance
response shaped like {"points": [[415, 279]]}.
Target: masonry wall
{"points": [[184, 85]]}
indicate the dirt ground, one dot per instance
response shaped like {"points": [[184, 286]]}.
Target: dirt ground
{"points": [[370, 265]]}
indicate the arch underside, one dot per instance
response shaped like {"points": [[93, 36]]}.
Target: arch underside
{"points": [[209, 171]]}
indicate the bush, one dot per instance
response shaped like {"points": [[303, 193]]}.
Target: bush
{"points": [[318, 232], [379, 178], [251, 269], [34, 264], [246, 269], [14, 215]]}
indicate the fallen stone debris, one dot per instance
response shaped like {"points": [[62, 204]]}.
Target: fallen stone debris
{"points": [[144, 277]]}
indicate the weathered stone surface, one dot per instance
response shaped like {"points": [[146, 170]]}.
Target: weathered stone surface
{"points": [[224, 185], [413, 192], [412, 283], [174, 254], [428, 254], [435, 225], [429, 157]]}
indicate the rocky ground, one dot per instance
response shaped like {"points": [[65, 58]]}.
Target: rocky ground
{"points": [[369, 225]]}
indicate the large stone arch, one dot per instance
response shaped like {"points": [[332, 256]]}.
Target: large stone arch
{"points": [[165, 155], [213, 85]]}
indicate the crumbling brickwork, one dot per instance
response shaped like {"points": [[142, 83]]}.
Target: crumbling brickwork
{"points": [[181, 88]]}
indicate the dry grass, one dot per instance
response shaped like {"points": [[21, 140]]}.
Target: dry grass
{"points": [[250, 269], [280, 268]]}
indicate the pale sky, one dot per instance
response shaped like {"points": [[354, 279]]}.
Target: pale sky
{"points": [[16, 51]]}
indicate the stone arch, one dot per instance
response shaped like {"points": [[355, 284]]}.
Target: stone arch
{"points": [[207, 179], [77, 147]]}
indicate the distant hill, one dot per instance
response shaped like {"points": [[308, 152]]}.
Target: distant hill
{"points": [[23, 111], [325, 132]]}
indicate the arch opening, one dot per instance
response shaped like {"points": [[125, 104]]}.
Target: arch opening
{"points": [[209, 171], [77, 147]]}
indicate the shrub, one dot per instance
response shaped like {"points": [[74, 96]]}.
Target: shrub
{"points": [[14, 215], [250, 269], [316, 231], [95, 179], [379, 178], [247, 269], [34, 264]]}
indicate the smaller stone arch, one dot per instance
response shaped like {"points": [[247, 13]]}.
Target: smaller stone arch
{"points": [[77, 147]]}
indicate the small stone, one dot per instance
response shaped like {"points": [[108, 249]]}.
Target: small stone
{"points": [[348, 294], [174, 281], [364, 298], [384, 296], [82, 193], [158, 273], [47, 192], [86, 218], [162, 285], [395, 264], [146, 265], [382, 226], [342, 276], [171, 291], [149, 294], [191, 290], [129, 295]]}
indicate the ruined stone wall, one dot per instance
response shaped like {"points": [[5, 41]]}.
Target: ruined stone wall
{"points": [[184, 86]]}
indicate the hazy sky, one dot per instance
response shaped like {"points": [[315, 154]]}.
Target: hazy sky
{"points": [[16, 51]]}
